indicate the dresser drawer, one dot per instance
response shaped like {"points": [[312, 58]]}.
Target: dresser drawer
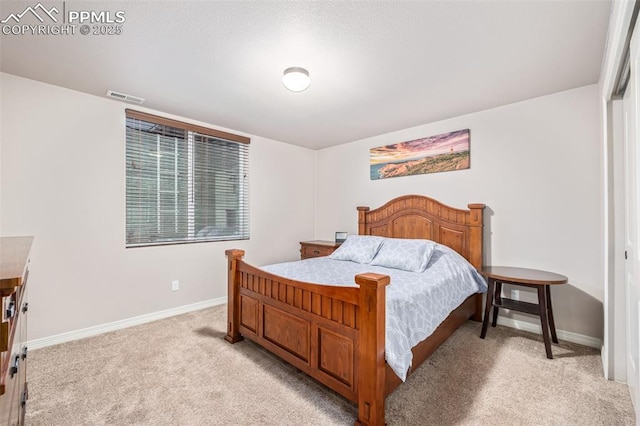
{"points": [[13, 401], [9, 401], [14, 274]]}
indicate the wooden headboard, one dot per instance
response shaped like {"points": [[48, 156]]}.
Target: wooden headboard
{"points": [[417, 216]]}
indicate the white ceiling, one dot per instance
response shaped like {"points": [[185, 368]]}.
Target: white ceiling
{"points": [[375, 67]]}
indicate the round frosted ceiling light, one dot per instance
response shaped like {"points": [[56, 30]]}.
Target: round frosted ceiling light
{"points": [[296, 79]]}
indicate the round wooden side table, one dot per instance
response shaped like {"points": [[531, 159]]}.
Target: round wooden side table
{"points": [[541, 280]]}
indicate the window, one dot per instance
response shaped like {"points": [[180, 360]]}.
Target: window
{"points": [[185, 183]]}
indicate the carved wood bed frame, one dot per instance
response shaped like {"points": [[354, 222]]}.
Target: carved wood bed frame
{"points": [[337, 334]]}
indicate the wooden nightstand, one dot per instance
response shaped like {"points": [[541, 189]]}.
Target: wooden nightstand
{"points": [[317, 248]]}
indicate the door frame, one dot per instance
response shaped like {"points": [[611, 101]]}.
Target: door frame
{"points": [[614, 348]]}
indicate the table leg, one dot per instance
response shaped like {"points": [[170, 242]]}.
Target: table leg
{"points": [[498, 299], [487, 308], [552, 324], [542, 303]]}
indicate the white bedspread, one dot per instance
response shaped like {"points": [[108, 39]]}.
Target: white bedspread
{"points": [[416, 302]]}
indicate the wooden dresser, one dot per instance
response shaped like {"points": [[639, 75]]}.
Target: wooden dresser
{"points": [[14, 271], [317, 248]]}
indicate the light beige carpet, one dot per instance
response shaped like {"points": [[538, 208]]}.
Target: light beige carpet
{"points": [[180, 371]]}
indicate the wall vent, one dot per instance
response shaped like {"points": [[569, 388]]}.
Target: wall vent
{"points": [[124, 97]]}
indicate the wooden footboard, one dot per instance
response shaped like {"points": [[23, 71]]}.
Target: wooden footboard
{"points": [[334, 334]]}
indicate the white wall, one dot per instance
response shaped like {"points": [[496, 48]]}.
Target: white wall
{"points": [[1, 120], [534, 164], [63, 180]]}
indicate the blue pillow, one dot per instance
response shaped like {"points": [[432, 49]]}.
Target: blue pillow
{"points": [[358, 248], [408, 255]]}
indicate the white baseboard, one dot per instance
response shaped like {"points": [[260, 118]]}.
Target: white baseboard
{"points": [[567, 336], [142, 319], [120, 324]]}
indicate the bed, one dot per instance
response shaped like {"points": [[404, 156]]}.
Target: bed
{"points": [[336, 334]]}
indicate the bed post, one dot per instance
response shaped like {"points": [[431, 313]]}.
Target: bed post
{"points": [[475, 248], [233, 296], [362, 220], [371, 362]]}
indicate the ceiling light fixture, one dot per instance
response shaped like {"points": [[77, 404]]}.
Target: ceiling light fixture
{"points": [[296, 79]]}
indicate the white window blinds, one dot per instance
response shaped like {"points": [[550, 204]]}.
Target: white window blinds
{"points": [[185, 183]]}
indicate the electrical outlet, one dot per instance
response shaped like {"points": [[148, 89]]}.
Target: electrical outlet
{"points": [[175, 285], [515, 294]]}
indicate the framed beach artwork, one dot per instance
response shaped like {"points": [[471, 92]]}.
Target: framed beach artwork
{"points": [[439, 153]]}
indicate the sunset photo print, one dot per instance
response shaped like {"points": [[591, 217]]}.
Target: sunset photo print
{"points": [[440, 153]]}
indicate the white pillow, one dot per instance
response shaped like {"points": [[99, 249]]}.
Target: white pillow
{"points": [[408, 255], [358, 248]]}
